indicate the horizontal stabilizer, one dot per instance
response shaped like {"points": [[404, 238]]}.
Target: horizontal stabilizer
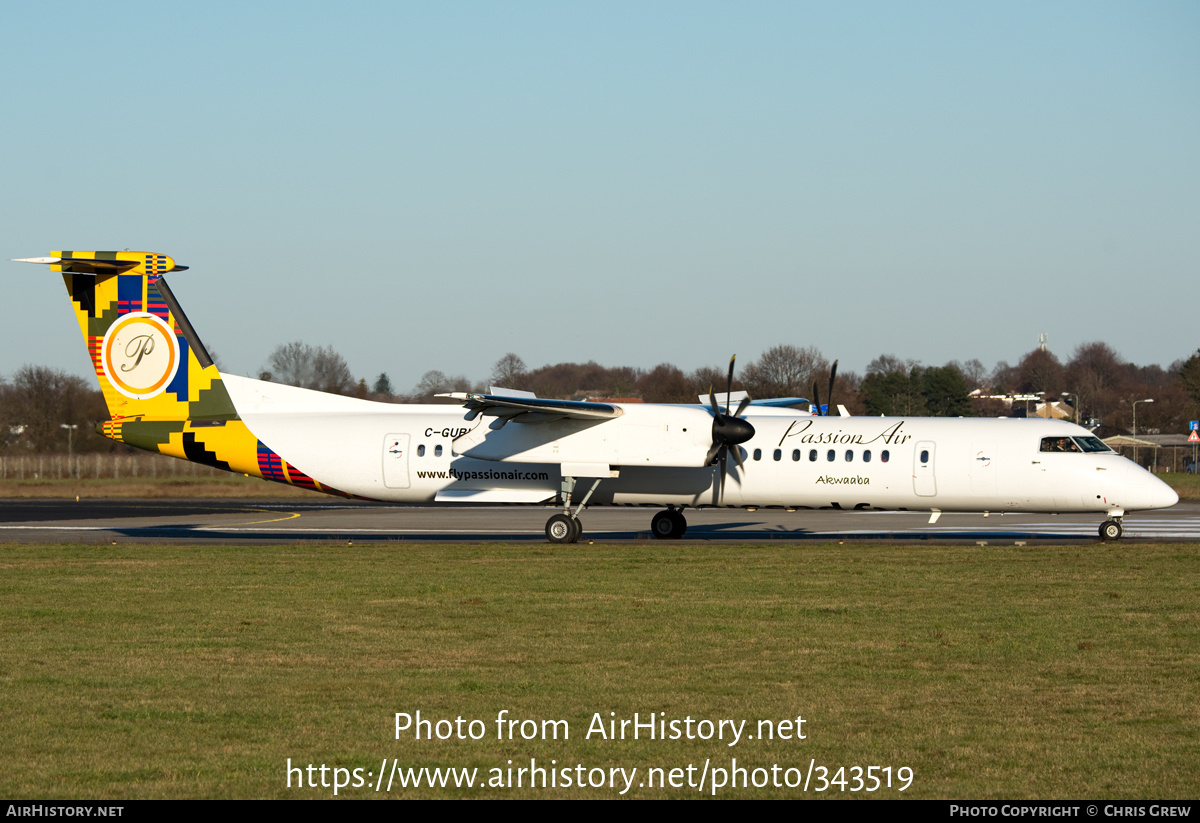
{"points": [[105, 262]]}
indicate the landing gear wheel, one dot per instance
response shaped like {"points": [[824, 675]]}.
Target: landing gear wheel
{"points": [[1110, 530], [668, 525], [681, 521], [578, 529], [563, 529]]}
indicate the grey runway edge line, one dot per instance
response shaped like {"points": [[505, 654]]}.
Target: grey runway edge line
{"points": [[245, 521]]}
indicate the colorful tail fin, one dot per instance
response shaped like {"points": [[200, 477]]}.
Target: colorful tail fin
{"points": [[149, 361], [163, 392]]}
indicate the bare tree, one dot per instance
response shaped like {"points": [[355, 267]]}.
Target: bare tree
{"points": [[711, 377], [973, 371], [508, 371], [310, 367], [889, 364], [1096, 377], [42, 401], [431, 383], [666, 384], [1040, 371], [434, 382], [786, 371]]}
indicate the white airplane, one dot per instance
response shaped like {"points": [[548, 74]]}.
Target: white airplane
{"points": [[164, 394]]}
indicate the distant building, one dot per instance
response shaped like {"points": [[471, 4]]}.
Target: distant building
{"points": [[1156, 452], [1029, 405]]}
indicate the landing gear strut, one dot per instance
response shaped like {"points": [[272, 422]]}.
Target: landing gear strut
{"points": [[565, 527], [1110, 530], [668, 525]]}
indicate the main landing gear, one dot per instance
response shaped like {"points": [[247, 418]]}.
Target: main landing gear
{"points": [[668, 525], [565, 527], [1111, 530]]}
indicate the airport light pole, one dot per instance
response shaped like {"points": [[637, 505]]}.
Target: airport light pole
{"points": [[1135, 402], [70, 427]]}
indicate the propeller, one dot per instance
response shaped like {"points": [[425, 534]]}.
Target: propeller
{"points": [[728, 431], [817, 394]]}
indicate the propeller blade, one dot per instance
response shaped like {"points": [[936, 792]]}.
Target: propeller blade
{"points": [[729, 383], [721, 477], [712, 454], [832, 377], [728, 430], [737, 458], [817, 398]]}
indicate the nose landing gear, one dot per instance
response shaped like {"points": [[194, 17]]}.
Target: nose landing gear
{"points": [[1111, 530]]}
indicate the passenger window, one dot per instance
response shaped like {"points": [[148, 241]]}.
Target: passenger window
{"points": [[437, 451], [421, 450], [867, 456], [883, 456], [758, 454], [831, 456], [778, 454], [796, 455], [849, 455], [812, 456]]}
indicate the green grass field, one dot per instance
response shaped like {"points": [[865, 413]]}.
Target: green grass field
{"points": [[993, 672], [1187, 485]]}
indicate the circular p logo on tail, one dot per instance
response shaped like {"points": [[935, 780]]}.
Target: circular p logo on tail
{"points": [[140, 355]]}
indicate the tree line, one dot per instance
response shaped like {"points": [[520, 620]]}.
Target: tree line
{"points": [[45, 410]]}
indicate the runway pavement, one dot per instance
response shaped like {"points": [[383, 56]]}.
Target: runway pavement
{"points": [[244, 521]]}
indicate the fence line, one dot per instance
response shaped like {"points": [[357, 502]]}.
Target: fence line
{"points": [[96, 466]]}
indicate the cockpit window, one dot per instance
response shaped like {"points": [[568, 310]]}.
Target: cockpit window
{"points": [[1059, 444], [1092, 444]]}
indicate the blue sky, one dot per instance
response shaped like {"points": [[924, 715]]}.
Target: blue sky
{"points": [[429, 186]]}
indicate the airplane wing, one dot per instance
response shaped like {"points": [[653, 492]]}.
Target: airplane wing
{"points": [[532, 409]]}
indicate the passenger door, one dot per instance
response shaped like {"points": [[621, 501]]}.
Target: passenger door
{"points": [[395, 461], [924, 482]]}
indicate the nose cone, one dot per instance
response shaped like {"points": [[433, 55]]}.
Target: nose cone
{"points": [[1164, 496], [1151, 493]]}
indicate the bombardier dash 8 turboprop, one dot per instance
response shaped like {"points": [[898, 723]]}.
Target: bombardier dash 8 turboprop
{"points": [[164, 394]]}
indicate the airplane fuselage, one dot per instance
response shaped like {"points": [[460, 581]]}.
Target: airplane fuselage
{"points": [[426, 454], [165, 393]]}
